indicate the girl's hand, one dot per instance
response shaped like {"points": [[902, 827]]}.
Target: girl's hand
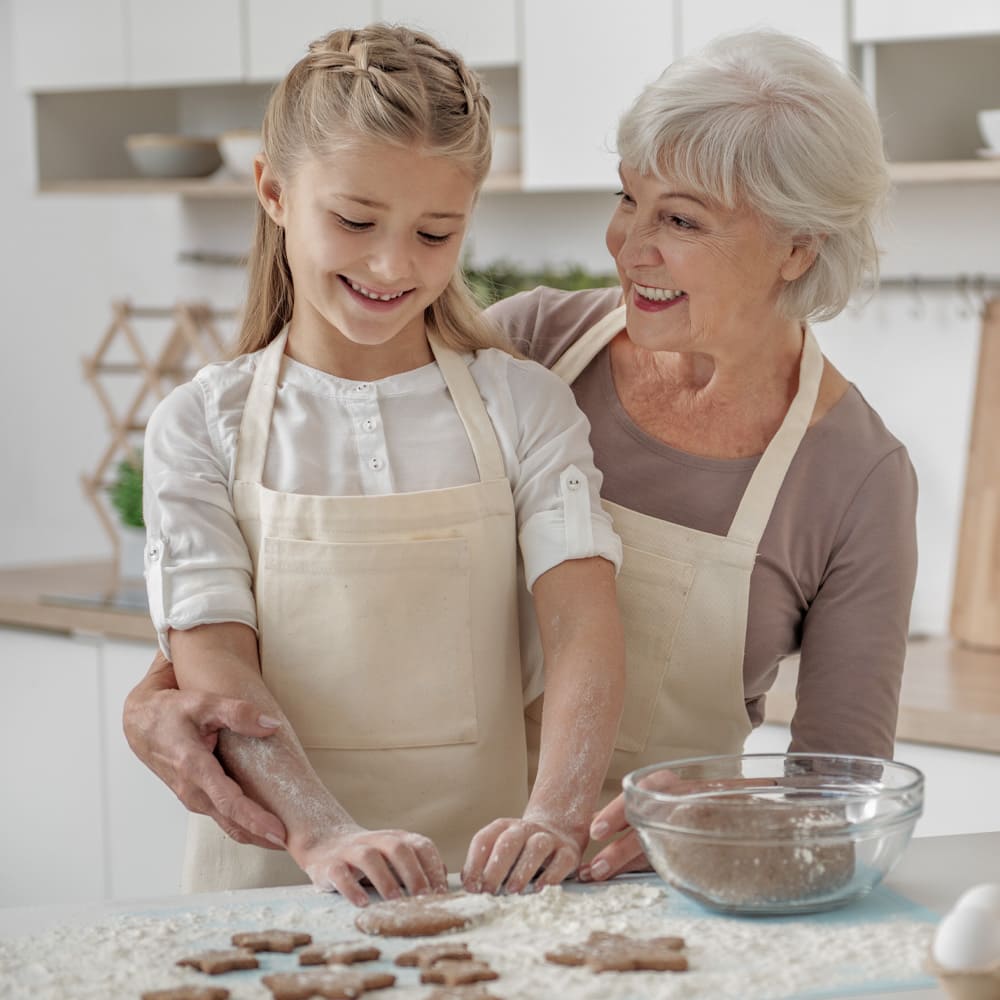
{"points": [[514, 851], [393, 861]]}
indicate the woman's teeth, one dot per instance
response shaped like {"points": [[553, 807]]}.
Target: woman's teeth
{"points": [[361, 290], [656, 294]]}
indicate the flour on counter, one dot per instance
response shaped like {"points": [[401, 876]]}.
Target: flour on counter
{"points": [[749, 959]]}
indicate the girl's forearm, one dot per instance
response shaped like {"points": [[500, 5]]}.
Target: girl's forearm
{"points": [[275, 772]]}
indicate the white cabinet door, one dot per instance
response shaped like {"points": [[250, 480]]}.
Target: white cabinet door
{"points": [[146, 822], [51, 838], [484, 34], [902, 20], [68, 46], [822, 22], [184, 42], [279, 34], [578, 74]]}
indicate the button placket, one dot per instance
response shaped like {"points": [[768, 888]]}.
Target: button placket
{"points": [[370, 438]]}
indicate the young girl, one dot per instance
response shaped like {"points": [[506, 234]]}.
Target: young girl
{"points": [[334, 516]]}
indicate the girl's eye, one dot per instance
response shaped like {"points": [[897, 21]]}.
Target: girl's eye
{"points": [[356, 227], [433, 239]]}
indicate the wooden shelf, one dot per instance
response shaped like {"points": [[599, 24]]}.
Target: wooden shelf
{"points": [[206, 187], [945, 171]]}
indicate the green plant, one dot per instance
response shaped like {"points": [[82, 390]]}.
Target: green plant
{"points": [[503, 278], [125, 492]]}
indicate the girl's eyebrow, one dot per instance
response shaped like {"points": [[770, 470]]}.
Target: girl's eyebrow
{"points": [[369, 203]]}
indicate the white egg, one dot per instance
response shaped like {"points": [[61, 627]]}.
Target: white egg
{"points": [[967, 938], [985, 895]]}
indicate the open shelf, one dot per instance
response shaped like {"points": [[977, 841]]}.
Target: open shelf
{"points": [[945, 171]]}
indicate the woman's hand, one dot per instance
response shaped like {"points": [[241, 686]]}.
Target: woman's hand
{"points": [[393, 861], [622, 855], [175, 733], [512, 852]]}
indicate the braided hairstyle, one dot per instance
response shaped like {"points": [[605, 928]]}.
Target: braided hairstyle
{"points": [[383, 83]]}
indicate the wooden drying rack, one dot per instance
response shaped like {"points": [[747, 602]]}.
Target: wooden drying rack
{"points": [[191, 340]]}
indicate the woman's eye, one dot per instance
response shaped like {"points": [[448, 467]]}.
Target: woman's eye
{"points": [[434, 239], [624, 198], [352, 225], [680, 222]]}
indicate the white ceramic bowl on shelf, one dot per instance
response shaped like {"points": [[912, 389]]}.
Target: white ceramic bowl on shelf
{"points": [[239, 146], [989, 128], [156, 154]]}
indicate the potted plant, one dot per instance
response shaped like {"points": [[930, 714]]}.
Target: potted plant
{"points": [[125, 494]]}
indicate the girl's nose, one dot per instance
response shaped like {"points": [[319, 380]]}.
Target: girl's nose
{"points": [[390, 260]]}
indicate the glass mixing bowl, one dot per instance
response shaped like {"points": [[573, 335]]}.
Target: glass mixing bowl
{"points": [[774, 833]]}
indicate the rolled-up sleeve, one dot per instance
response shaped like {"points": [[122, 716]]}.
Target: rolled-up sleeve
{"points": [[198, 569], [556, 485]]}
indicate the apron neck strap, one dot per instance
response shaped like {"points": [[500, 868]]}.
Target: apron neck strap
{"points": [[255, 427], [471, 409], [762, 491], [586, 348]]}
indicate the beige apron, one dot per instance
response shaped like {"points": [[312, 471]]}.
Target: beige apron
{"points": [[388, 634], [683, 596]]}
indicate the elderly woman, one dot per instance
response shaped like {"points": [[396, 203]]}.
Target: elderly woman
{"points": [[763, 505]]}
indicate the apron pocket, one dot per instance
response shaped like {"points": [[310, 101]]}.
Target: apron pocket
{"points": [[367, 645], [652, 595]]}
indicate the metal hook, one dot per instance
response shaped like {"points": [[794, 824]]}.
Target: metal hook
{"points": [[917, 308], [966, 303]]}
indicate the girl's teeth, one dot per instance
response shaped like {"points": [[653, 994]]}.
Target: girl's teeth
{"points": [[372, 295], [657, 294]]}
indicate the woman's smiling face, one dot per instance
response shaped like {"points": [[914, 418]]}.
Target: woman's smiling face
{"points": [[695, 274], [373, 234]]}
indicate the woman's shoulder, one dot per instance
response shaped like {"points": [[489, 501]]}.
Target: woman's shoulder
{"points": [[544, 322]]}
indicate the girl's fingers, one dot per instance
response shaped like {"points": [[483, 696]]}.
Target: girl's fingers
{"points": [[430, 860], [503, 857], [480, 850], [371, 864], [539, 847], [561, 865], [407, 865], [340, 877]]}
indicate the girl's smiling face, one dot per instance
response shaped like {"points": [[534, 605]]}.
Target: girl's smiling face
{"points": [[372, 235], [696, 275]]}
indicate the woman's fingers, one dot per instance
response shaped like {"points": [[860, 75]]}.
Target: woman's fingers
{"points": [[625, 854], [610, 820]]}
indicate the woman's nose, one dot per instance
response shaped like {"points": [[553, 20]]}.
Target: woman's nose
{"points": [[637, 248]]}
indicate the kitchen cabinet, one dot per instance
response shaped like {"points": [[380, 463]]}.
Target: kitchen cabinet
{"points": [[69, 46], [577, 79], [84, 819], [184, 42], [908, 20], [485, 34], [52, 840], [279, 34], [822, 22]]}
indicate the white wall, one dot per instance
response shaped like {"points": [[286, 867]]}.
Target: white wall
{"points": [[66, 257]]}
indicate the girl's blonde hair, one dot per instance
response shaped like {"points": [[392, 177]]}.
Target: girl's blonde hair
{"points": [[767, 121], [387, 84]]}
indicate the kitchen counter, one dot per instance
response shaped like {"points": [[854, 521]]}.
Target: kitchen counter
{"points": [[950, 695], [932, 873]]}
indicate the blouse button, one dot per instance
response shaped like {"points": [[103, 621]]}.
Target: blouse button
{"points": [[370, 424], [376, 463], [361, 387], [154, 552], [573, 484]]}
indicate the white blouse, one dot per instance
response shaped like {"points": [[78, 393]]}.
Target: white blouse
{"points": [[336, 437]]}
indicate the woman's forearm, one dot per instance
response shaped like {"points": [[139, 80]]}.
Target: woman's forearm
{"points": [[584, 685]]}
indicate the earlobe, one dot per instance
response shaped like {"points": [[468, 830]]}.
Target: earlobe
{"points": [[800, 258], [269, 192]]}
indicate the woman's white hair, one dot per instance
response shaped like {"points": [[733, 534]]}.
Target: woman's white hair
{"points": [[766, 121]]}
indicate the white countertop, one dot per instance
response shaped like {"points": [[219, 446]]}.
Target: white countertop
{"points": [[933, 872]]}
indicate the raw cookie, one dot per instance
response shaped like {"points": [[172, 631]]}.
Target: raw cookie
{"points": [[274, 940], [188, 993], [332, 985], [342, 953], [216, 962], [426, 955], [449, 972], [733, 872], [421, 917], [603, 952]]}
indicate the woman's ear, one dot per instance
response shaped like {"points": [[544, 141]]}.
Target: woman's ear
{"points": [[801, 256], [269, 191]]}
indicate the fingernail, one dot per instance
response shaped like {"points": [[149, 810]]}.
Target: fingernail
{"points": [[277, 841], [584, 874], [599, 869], [599, 829], [268, 722]]}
